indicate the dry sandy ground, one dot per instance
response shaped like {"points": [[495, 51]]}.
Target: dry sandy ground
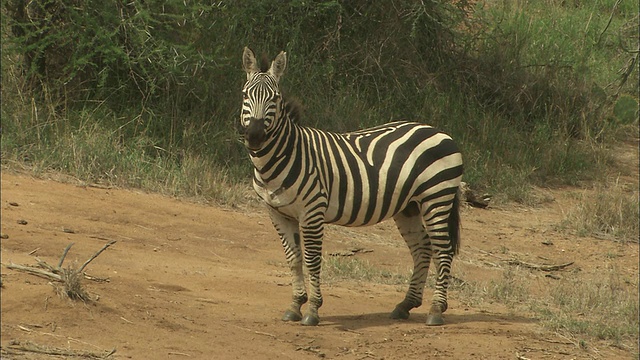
{"points": [[195, 281]]}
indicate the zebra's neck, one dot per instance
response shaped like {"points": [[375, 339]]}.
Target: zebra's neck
{"points": [[280, 144]]}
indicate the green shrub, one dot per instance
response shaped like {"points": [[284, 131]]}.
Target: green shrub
{"points": [[526, 88], [626, 110]]}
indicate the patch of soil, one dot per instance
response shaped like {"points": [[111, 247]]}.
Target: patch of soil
{"points": [[192, 281]]}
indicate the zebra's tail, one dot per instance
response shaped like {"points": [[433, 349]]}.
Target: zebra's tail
{"points": [[454, 224]]}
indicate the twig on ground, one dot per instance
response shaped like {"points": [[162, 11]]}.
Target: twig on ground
{"points": [[312, 349], [553, 276], [96, 255], [99, 186], [70, 277], [517, 262], [100, 238], [95, 278], [34, 271], [538, 267], [39, 349], [68, 339], [559, 342], [351, 252], [24, 328], [64, 254], [44, 265], [349, 330], [178, 353], [256, 331]]}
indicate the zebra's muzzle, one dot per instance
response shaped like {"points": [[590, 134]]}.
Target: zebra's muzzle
{"points": [[255, 134]]}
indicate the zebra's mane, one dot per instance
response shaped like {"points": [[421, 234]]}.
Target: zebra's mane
{"points": [[265, 64], [294, 108]]}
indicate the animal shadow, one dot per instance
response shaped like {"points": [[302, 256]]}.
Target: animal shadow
{"points": [[363, 321]]}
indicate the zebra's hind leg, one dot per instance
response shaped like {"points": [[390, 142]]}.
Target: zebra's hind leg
{"points": [[439, 301], [289, 232], [437, 223], [409, 223]]}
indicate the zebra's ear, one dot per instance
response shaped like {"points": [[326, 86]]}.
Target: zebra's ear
{"points": [[278, 65], [249, 63]]}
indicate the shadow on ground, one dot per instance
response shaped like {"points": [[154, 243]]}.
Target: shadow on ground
{"points": [[364, 321]]}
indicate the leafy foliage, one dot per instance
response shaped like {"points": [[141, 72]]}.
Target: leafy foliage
{"points": [[527, 89]]}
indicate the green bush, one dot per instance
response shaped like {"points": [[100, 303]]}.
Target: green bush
{"points": [[626, 110], [528, 89]]}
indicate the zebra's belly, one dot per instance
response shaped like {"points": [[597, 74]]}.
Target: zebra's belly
{"points": [[287, 201], [346, 221], [345, 214]]}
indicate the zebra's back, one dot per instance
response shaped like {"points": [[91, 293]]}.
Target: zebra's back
{"points": [[372, 174]]}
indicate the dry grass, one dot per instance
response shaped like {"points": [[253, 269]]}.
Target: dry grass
{"points": [[604, 307], [336, 268], [511, 289], [605, 212], [72, 285]]}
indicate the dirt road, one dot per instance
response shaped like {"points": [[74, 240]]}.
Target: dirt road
{"points": [[195, 281]]}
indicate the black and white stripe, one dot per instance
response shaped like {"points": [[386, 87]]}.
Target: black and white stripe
{"points": [[307, 177]]}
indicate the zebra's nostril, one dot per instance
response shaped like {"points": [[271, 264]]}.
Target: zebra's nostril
{"points": [[254, 141], [255, 133]]}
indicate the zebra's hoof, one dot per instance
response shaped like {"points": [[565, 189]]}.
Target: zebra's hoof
{"points": [[291, 315], [310, 320], [399, 314], [435, 320]]}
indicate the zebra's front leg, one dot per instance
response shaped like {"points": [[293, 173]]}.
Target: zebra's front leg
{"points": [[289, 232], [312, 234]]}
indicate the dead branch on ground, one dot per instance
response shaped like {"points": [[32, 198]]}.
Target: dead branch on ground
{"points": [[528, 265], [351, 252], [538, 267], [19, 348], [69, 277], [472, 198]]}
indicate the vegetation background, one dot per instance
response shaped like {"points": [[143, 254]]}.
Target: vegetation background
{"points": [[147, 94]]}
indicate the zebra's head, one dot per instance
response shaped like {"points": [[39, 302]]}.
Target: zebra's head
{"points": [[261, 98]]}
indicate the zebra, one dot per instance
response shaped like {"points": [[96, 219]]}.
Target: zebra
{"points": [[307, 177]]}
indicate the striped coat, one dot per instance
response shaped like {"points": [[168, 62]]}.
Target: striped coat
{"points": [[308, 178]]}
